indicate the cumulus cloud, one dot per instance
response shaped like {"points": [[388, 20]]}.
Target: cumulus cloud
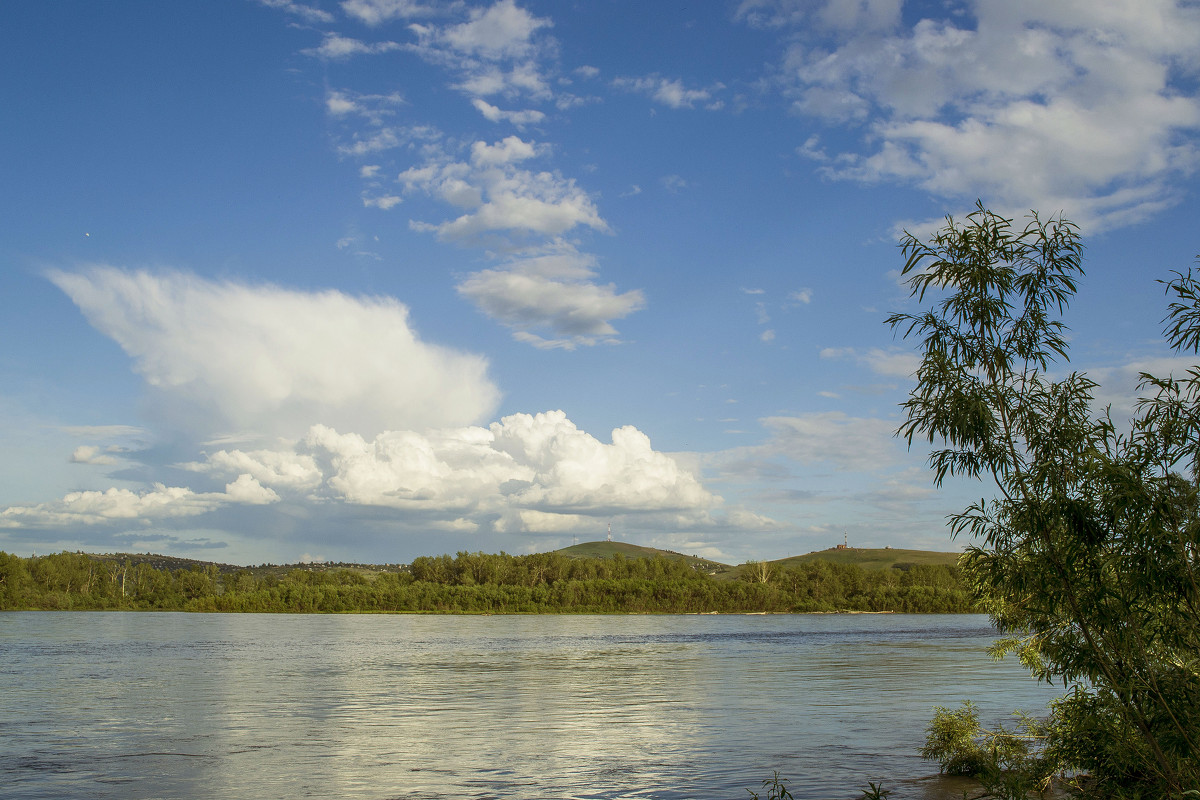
{"points": [[287, 470], [117, 505], [551, 290], [225, 356], [500, 196], [1080, 107], [480, 48], [526, 472], [501, 31]]}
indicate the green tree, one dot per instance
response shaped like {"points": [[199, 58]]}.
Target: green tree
{"points": [[1087, 555]]}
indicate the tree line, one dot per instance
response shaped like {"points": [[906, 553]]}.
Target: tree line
{"points": [[478, 583]]}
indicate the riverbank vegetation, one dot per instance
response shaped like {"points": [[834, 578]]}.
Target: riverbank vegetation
{"points": [[477, 583], [1088, 558]]}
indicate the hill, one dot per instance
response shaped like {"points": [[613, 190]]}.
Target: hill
{"points": [[868, 558], [863, 557]]}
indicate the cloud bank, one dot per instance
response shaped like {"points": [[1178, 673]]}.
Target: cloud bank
{"points": [[227, 357], [1088, 108]]}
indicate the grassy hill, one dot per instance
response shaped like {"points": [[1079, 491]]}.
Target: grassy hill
{"points": [[884, 558], [609, 549], [872, 558]]}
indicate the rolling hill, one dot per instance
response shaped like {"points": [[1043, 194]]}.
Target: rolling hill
{"points": [[872, 558], [867, 558]]}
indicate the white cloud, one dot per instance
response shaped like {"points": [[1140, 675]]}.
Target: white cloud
{"points": [[334, 47], [500, 34], [488, 80], [117, 505], [501, 197], [226, 356], [376, 12], [377, 141], [1075, 106], [382, 201], [338, 103], [803, 296], [518, 118], [672, 93], [373, 107], [551, 289], [501, 31], [248, 491], [509, 151], [90, 454], [281, 469], [526, 472], [307, 13]]}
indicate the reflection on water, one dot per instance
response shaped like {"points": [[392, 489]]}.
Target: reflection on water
{"points": [[144, 705]]}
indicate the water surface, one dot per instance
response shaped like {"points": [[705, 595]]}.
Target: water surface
{"points": [[233, 706]]}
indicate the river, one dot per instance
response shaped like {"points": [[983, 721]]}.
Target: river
{"points": [[143, 706]]}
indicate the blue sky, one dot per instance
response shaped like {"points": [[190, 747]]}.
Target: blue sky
{"points": [[372, 279]]}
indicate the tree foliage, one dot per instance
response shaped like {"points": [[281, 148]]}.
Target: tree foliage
{"points": [[475, 583], [1086, 558]]}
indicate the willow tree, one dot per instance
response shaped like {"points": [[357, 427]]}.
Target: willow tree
{"points": [[1087, 556]]}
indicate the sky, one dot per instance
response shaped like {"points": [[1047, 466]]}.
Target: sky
{"points": [[372, 279]]}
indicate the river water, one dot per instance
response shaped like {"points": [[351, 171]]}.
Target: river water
{"points": [[237, 706]]}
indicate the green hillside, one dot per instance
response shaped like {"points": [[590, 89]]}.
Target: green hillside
{"points": [[606, 549], [872, 558], [866, 558]]}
